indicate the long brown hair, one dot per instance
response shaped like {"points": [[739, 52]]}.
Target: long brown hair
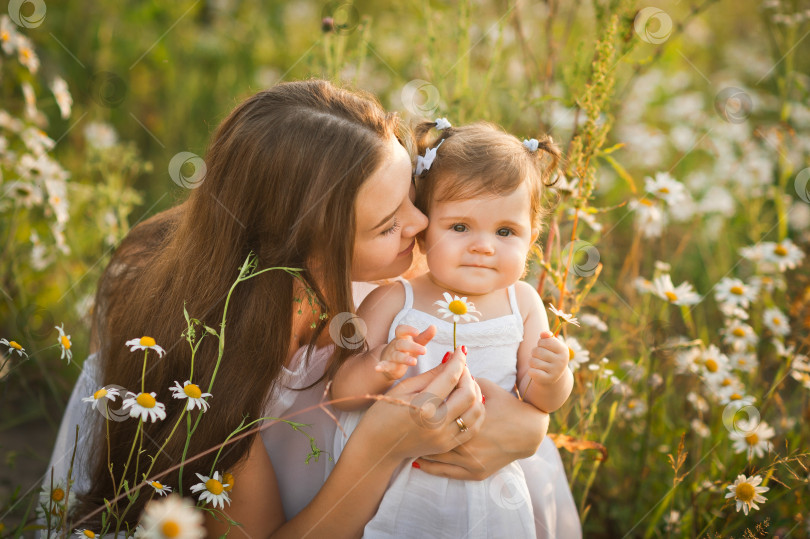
{"points": [[283, 172]]}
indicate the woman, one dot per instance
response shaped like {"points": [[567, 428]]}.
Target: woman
{"points": [[306, 176]]}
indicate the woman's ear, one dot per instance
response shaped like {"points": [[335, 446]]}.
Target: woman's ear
{"points": [[535, 234]]}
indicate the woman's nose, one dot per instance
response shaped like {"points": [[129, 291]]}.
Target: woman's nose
{"points": [[416, 222]]}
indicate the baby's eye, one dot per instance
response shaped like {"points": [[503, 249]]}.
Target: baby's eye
{"points": [[505, 232], [458, 227]]}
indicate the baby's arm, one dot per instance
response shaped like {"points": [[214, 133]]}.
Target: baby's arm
{"points": [[544, 378], [375, 370]]}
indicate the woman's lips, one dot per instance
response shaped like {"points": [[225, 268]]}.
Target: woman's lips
{"points": [[408, 250]]}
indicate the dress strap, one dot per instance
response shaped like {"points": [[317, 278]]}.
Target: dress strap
{"points": [[408, 294], [513, 303]]}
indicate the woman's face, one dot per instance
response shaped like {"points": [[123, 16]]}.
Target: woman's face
{"points": [[386, 220]]}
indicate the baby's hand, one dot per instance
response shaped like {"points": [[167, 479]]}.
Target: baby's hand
{"points": [[401, 352], [549, 359]]}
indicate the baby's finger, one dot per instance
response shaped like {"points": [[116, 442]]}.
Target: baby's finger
{"points": [[426, 336], [402, 331], [407, 346]]}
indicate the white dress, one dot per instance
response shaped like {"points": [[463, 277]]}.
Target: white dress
{"points": [[527, 498]]}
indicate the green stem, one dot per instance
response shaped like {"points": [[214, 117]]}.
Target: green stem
{"points": [[143, 372]]}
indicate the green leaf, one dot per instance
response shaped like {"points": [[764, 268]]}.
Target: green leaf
{"points": [[620, 170]]}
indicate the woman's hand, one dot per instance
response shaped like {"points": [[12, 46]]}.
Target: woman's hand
{"points": [[419, 416], [512, 430]]}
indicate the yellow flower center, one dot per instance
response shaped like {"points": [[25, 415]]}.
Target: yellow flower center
{"points": [[671, 296], [738, 290], [146, 400], [752, 439], [457, 307], [147, 341], [214, 487], [779, 250], [25, 53], [664, 190], [711, 365], [88, 533], [65, 342], [631, 405], [228, 480], [726, 382], [738, 332], [192, 391], [157, 484], [571, 353], [15, 345], [56, 200], [170, 528], [776, 321], [100, 393], [745, 492], [735, 397], [766, 280], [5, 36], [58, 495], [741, 361], [645, 202]]}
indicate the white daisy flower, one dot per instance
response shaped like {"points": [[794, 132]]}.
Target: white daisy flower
{"points": [[633, 407], [145, 343], [171, 518], [747, 493], [642, 285], [23, 193], [700, 428], [14, 346], [577, 355], [713, 362], [782, 350], [800, 370], [666, 188], [103, 393], [62, 95], [144, 405], [64, 342], [53, 500], [213, 490], [457, 308], [191, 392], [100, 135], [730, 310], [8, 34], [776, 321], [755, 439], [768, 283], [754, 253], [735, 292], [593, 321], [739, 336], [735, 396], [743, 361], [784, 254], [569, 318], [86, 534], [159, 487], [650, 219], [698, 402], [684, 294]]}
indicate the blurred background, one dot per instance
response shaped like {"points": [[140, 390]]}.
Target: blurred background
{"points": [[685, 128]]}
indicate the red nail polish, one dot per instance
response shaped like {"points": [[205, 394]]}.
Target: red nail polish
{"points": [[464, 349], [483, 399], [415, 465], [446, 357], [473, 377]]}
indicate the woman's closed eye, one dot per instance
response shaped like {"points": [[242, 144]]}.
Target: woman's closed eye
{"points": [[393, 228]]}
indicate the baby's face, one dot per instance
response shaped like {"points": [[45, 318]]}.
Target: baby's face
{"points": [[479, 245]]}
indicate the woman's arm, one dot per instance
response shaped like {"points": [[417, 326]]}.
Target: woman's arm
{"points": [[424, 422]]}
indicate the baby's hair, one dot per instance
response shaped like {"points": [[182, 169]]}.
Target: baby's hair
{"points": [[479, 159]]}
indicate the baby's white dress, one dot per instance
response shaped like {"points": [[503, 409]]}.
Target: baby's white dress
{"points": [[527, 498]]}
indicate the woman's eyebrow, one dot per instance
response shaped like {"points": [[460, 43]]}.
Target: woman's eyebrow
{"points": [[387, 217]]}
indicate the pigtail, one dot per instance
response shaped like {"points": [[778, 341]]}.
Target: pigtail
{"points": [[550, 151]]}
